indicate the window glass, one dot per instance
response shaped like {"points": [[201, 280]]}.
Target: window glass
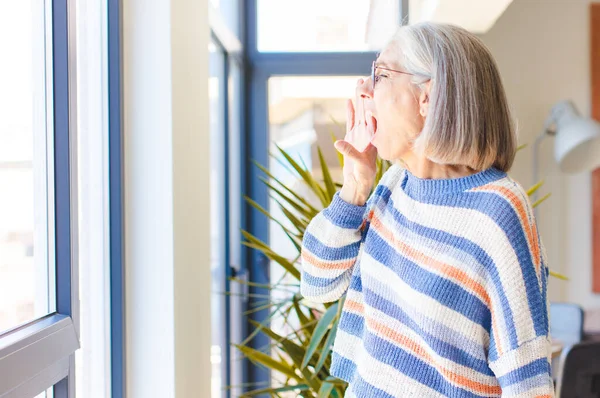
{"points": [[332, 25], [26, 207], [229, 11], [217, 224], [304, 112]]}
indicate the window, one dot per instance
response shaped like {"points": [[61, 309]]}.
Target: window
{"points": [[37, 312], [225, 94], [304, 60], [303, 114], [229, 12], [333, 25], [26, 134], [217, 130]]}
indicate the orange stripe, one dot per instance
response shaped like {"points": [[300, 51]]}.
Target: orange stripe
{"points": [[316, 262], [520, 208], [354, 306], [416, 349], [446, 269]]}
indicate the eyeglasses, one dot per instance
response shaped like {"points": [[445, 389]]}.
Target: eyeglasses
{"points": [[374, 66]]}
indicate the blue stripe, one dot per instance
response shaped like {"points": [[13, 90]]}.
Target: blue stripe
{"points": [[411, 366], [361, 388], [324, 252], [343, 214], [537, 367], [441, 289], [527, 385], [315, 281], [352, 323], [475, 251], [355, 281], [342, 367], [440, 347]]}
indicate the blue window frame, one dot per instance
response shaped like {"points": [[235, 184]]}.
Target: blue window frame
{"points": [[226, 87], [115, 143], [39, 355]]}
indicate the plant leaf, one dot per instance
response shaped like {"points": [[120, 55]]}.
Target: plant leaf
{"points": [[307, 177], [328, 317], [268, 361], [327, 346], [307, 211], [558, 275], [534, 188], [325, 390], [265, 212], [259, 245], [296, 353], [275, 390], [335, 380], [339, 155], [263, 324], [537, 203], [271, 176], [329, 185]]}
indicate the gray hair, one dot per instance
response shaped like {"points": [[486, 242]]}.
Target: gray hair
{"points": [[468, 121]]}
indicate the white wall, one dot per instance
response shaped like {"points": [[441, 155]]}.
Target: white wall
{"points": [[167, 236], [542, 48]]}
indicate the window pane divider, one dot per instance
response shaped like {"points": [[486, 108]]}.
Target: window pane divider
{"points": [[50, 340]]}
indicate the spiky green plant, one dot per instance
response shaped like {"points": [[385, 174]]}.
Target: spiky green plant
{"points": [[302, 357]]}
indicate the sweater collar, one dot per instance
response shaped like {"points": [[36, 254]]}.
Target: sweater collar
{"points": [[419, 187]]}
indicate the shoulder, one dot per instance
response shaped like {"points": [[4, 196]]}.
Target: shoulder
{"points": [[506, 202]]}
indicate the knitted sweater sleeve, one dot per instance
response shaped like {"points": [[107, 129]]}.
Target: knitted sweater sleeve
{"points": [[330, 249], [520, 346], [332, 243]]}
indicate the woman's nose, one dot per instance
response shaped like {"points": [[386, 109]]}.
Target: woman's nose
{"points": [[364, 88]]}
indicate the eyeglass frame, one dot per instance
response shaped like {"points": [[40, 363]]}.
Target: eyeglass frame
{"points": [[374, 66]]}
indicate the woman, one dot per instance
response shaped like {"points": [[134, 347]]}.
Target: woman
{"points": [[442, 266]]}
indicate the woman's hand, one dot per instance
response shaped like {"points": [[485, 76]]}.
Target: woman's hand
{"points": [[360, 155]]}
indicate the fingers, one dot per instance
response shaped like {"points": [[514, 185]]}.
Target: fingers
{"points": [[347, 149], [359, 114], [349, 116]]}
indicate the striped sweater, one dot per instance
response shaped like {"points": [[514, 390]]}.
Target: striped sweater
{"points": [[445, 288]]}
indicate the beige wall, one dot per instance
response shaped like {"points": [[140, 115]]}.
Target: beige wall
{"points": [[542, 48]]}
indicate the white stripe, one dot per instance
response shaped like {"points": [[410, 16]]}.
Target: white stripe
{"points": [[483, 231], [330, 234], [540, 391]]}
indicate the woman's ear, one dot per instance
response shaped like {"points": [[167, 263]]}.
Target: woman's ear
{"points": [[424, 99]]}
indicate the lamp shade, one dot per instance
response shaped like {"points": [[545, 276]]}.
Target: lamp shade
{"points": [[577, 143]]}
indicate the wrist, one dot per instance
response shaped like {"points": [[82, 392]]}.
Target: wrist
{"points": [[354, 195]]}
